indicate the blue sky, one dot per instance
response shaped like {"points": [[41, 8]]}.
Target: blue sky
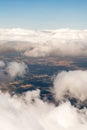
{"points": [[43, 14]]}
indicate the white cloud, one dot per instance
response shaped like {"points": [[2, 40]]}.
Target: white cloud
{"points": [[72, 83], [62, 42], [16, 69], [20, 113]]}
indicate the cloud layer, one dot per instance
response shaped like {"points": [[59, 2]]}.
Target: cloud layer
{"points": [[34, 114], [35, 43]]}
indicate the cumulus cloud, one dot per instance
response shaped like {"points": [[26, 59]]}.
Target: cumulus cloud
{"points": [[16, 69], [35, 43], [72, 84], [39, 115], [10, 70]]}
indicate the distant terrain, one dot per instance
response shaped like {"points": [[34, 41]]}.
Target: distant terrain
{"points": [[41, 73]]}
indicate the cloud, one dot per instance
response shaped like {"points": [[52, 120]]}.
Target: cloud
{"points": [[34, 114], [10, 70], [16, 69], [36, 43], [71, 84]]}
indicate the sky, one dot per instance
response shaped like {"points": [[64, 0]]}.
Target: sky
{"points": [[43, 14]]}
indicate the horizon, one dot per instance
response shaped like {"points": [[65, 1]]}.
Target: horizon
{"points": [[42, 29]]}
